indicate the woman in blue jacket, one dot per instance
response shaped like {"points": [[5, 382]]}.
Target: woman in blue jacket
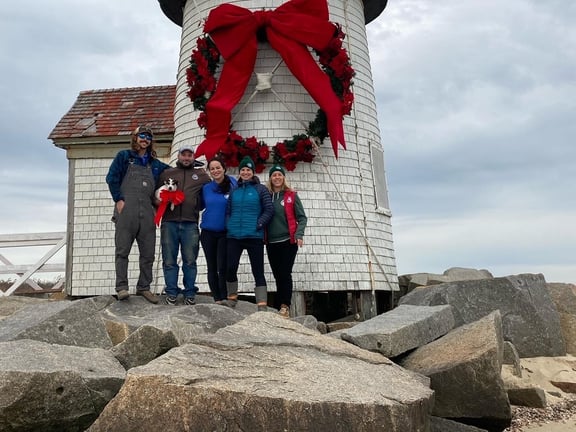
{"points": [[249, 211], [213, 235]]}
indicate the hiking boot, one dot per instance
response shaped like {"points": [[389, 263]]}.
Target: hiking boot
{"points": [[123, 294], [284, 311], [170, 300], [261, 294], [152, 298], [190, 301]]}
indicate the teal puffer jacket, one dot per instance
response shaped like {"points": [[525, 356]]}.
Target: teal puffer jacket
{"points": [[249, 210]]}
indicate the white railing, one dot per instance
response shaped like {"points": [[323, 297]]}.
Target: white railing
{"points": [[58, 239]]}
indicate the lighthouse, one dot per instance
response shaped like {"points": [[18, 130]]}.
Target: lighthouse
{"points": [[349, 251]]}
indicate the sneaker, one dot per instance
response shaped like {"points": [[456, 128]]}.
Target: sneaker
{"points": [[152, 298], [284, 311], [190, 301], [123, 294], [170, 300]]}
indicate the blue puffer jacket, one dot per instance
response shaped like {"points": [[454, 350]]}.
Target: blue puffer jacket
{"points": [[214, 204], [119, 167], [249, 210]]}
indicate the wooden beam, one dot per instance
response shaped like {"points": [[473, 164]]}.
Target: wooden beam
{"points": [[32, 239]]}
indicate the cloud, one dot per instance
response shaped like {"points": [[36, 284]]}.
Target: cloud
{"points": [[56, 51], [476, 105], [477, 131]]}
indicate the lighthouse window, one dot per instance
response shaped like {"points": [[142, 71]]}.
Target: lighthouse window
{"points": [[380, 187]]}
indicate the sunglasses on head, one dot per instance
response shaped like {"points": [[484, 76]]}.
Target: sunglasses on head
{"points": [[145, 136]]}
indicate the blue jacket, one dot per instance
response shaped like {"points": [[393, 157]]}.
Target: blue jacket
{"points": [[249, 210], [214, 202], [119, 167]]}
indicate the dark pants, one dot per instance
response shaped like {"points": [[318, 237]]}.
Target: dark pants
{"points": [[136, 222], [255, 249], [281, 257], [214, 246]]}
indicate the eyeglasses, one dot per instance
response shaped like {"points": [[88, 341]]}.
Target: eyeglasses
{"points": [[145, 136]]}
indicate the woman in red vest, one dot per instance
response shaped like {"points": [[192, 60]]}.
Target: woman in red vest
{"points": [[285, 236]]}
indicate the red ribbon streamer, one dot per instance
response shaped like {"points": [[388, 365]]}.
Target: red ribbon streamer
{"points": [[167, 197], [290, 29]]}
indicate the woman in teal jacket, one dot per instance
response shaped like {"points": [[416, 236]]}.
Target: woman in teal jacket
{"points": [[248, 213]]}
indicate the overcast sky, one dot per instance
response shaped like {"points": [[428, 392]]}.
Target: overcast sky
{"points": [[476, 101]]}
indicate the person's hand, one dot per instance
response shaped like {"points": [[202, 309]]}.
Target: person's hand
{"points": [[120, 206], [300, 242]]}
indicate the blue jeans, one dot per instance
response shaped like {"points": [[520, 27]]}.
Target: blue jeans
{"points": [[183, 237]]}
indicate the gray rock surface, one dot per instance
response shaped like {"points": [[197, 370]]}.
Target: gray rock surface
{"points": [[401, 329], [564, 297], [241, 370], [511, 357], [310, 322], [532, 397], [54, 388], [185, 322], [439, 424], [464, 368], [454, 274], [408, 282], [76, 323], [11, 304], [143, 346], [266, 373], [337, 326], [529, 317]]}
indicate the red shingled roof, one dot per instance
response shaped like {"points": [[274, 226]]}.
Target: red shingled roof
{"points": [[117, 112]]}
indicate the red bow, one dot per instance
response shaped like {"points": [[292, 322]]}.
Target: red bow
{"points": [[290, 29], [168, 197]]}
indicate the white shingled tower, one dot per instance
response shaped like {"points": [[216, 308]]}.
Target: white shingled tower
{"points": [[348, 243]]}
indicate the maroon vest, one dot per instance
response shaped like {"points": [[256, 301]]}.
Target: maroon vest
{"points": [[289, 201]]}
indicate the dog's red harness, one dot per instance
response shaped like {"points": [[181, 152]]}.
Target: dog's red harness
{"points": [[167, 197]]}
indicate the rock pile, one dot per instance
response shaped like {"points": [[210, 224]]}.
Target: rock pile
{"points": [[434, 363]]}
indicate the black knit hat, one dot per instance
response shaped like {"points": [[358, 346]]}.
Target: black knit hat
{"points": [[276, 168], [246, 162]]}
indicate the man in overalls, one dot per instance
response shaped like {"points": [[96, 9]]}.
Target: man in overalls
{"points": [[132, 179]]}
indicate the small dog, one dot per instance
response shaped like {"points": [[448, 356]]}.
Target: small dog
{"points": [[169, 185], [167, 193]]}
